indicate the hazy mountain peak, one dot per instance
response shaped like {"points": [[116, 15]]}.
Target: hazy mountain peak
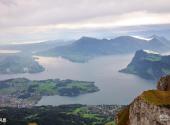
{"points": [[142, 38], [150, 51], [124, 37], [86, 38], [159, 38], [86, 41], [130, 39], [154, 36]]}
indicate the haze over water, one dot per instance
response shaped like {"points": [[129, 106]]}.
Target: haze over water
{"points": [[115, 87]]}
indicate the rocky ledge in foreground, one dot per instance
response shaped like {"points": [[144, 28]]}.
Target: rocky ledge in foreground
{"points": [[152, 107]]}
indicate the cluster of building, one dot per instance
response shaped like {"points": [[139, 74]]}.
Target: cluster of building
{"points": [[106, 110], [8, 101]]}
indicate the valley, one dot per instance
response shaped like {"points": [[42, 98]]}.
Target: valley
{"points": [[87, 48], [106, 78], [84, 62], [64, 114]]}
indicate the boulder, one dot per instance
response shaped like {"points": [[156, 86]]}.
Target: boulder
{"points": [[164, 83]]}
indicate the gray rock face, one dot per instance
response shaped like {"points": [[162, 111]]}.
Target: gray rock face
{"points": [[164, 83], [142, 113], [152, 107]]}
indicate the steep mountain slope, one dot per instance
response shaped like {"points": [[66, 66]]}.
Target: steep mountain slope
{"points": [[13, 63], [149, 65], [87, 48], [152, 107]]}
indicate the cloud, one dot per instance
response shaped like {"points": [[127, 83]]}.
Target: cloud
{"points": [[7, 2], [36, 16], [44, 12]]}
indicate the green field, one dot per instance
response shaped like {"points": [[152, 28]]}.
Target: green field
{"points": [[26, 89], [97, 119]]}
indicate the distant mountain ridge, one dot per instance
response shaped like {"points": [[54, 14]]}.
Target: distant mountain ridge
{"points": [[149, 65], [34, 47], [87, 48]]}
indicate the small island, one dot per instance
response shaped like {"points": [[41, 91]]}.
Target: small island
{"points": [[149, 65], [25, 92], [14, 64]]}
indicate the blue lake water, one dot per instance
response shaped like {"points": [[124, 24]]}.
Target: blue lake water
{"points": [[115, 87]]}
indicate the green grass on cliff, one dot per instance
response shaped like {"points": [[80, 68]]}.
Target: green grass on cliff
{"points": [[156, 97], [96, 119], [153, 58]]}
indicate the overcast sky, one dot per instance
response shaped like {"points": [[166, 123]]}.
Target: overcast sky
{"points": [[36, 20]]}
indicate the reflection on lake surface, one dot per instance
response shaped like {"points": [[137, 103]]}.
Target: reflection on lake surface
{"points": [[115, 87], [8, 51]]}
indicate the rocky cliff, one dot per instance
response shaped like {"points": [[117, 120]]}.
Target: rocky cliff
{"points": [[152, 107], [164, 83], [148, 65]]}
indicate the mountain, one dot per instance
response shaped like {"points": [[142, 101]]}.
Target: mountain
{"points": [[13, 64], [34, 47], [149, 65], [87, 48], [152, 107]]}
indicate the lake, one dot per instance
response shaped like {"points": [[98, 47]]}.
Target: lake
{"points": [[9, 51], [115, 87]]}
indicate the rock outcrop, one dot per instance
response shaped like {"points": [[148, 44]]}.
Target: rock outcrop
{"points": [[145, 112], [148, 65], [152, 107], [164, 83]]}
